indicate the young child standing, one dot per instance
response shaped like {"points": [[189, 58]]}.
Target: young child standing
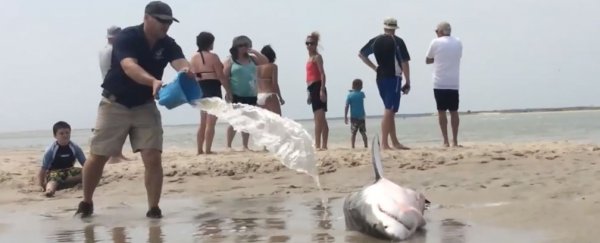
{"points": [[59, 160], [355, 101]]}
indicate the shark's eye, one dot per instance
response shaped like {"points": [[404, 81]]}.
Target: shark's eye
{"points": [[385, 226]]}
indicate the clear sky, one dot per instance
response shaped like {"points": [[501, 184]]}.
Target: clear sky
{"points": [[517, 53]]}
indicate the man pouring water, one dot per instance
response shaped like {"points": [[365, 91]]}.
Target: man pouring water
{"points": [[127, 108]]}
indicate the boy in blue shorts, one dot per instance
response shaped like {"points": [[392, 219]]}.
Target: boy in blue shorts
{"points": [[57, 164], [355, 101]]}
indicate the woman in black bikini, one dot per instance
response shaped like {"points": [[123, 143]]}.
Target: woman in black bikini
{"points": [[209, 72]]}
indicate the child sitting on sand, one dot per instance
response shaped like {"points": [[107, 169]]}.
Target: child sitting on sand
{"points": [[57, 164], [355, 101]]}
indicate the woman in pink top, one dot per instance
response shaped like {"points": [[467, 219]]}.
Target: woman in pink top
{"points": [[317, 94]]}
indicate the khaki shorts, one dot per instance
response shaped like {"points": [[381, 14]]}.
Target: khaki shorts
{"points": [[115, 121]]}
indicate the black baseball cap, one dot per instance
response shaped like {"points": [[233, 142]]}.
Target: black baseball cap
{"points": [[160, 10]]}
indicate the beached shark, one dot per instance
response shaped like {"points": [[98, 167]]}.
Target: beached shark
{"points": [[384, 209]]}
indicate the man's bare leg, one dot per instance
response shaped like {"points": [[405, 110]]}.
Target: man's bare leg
{"points": [[364, 137], [92, 172], [353, 139], [385, 129], [393, 136], [443, 121], [455, 120], [153, 175]]}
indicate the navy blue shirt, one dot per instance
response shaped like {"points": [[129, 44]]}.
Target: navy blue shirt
{"points": [[131, 42], [387, 50]]}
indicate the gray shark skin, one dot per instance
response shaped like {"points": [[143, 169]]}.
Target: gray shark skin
{"points": [[383, 209]]}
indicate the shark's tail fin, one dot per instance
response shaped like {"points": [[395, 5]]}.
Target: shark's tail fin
{"points": [[376, 157]]}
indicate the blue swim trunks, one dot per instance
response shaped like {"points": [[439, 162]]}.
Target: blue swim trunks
{"points": [[390, 91]]}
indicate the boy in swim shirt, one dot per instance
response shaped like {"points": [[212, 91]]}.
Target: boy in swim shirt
{"points": [[355, 101], [57, 164]]}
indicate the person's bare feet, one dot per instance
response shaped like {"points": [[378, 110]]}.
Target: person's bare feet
{"points": [[456, 145], [446, 145], [50, 189], [49, 193], [211, 153], [386, 147], [399, 146], [200, 152]]}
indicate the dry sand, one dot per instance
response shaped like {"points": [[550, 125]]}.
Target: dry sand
{"points": [[551, 187]]}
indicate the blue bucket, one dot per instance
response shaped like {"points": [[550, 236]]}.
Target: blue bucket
{"points": [[182, 90]]}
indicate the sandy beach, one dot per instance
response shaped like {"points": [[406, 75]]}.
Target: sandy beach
{"points": [[545, 187]]}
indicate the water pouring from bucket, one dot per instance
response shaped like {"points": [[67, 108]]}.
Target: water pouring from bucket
{"points": [[182, 90], [284, 137]]}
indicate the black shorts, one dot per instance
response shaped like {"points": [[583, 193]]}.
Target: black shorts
{"points": [[357, 125], [244, 100], [314, 91], [446, 99], [210, 88]]}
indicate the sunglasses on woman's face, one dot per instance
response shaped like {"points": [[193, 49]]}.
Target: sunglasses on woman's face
{"points": [[308, 43], [243, 45]]}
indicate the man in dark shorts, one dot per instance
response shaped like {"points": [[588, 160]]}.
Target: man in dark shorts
{"points": [[127, 108], [392, 59], [445, 53]]}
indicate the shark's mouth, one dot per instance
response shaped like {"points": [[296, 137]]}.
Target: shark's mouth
{"points": [[393, 216]]}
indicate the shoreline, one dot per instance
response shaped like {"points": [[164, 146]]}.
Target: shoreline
{"points": [[399, 115]]}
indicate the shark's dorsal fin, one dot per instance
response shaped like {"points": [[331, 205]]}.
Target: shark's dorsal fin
{"points": [[376, 157]]}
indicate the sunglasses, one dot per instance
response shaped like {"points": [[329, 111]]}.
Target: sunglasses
{"points": [[243, 45], [164, 21], [308, 43]]}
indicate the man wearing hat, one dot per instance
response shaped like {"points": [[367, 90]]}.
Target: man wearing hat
{"points": [[105, 56], [392, 61], [139, 57]]}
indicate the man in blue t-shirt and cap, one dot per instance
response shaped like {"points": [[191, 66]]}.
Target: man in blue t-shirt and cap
{"points": [[140, 55], [392, 60]]}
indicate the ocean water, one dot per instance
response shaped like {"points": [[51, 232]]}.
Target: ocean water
{"points": [[578, 126]]}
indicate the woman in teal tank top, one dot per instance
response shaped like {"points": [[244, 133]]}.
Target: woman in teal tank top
{"points": [[240, 70]]}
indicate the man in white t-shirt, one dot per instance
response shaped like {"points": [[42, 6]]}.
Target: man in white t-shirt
{"points": [[445, 53], [105, 61]]}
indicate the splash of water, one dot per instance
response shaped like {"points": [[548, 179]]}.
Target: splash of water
{"points": [[284, 137]]}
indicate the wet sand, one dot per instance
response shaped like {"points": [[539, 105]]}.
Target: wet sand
{"points": [[534, 192], [236, 220]]}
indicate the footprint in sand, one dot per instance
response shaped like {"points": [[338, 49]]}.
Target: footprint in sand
{"points": [[518, 154]]}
